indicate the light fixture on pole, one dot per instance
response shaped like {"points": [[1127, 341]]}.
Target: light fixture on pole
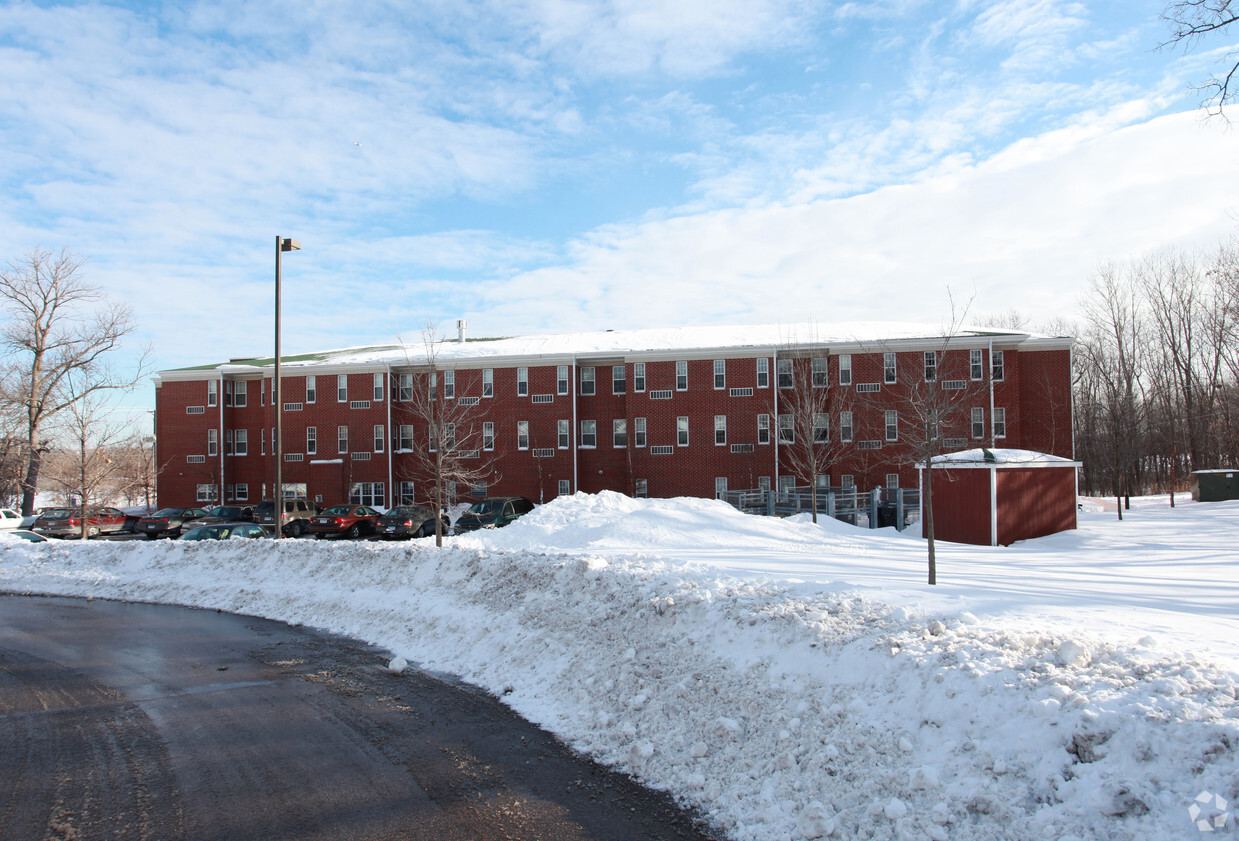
{"points": [[282, 244]]}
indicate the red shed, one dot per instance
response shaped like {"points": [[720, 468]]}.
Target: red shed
{"points": [[996, 497]]}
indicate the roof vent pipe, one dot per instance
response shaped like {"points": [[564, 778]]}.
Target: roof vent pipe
{"points": [[461, 324]]}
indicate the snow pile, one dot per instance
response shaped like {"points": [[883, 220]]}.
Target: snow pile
{"points": [[707, 653]]}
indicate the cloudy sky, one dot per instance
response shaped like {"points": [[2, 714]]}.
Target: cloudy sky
{"points": [[567, 165]]}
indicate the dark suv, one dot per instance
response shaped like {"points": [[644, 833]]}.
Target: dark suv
{"points": [[492, 513], [295, 520]]}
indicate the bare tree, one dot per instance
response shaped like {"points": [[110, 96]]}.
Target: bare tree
{"points": [[456, 452], [60, 326], [1192, 21]]}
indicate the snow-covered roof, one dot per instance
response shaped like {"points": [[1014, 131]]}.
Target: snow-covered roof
{"points": [[650, 342], [985, 456]]}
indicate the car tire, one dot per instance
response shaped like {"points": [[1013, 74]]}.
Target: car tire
{"points": [[92, 532], [294, 530], [354, 531]]}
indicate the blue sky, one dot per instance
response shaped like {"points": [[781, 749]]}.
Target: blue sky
{"points": [[554, 165]]}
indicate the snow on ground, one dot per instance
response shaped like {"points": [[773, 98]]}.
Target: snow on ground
{"points": [[793, 680]]}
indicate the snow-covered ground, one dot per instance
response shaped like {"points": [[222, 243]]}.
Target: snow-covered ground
{"points": [[794, 680]]}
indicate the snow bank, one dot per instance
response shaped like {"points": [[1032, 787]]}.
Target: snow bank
{"points": [[707, 653]]}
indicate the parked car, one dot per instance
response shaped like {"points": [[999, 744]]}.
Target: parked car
{"points": [[410, 521], [66, 522], [9, 519], [28, 522], [347, 520], [24, 534], [295, 519], [223, 514], [167, 521], [492, 513], [226, 531]]}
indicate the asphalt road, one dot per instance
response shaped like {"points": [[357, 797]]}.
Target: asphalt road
{"points": [[132, 721]]}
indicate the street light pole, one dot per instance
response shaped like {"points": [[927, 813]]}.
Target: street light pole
{"points": [[282, 244]]}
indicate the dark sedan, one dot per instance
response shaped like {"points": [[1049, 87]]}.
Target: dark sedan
{"points": [[344, 520], [493, 513], [410, 521], [222, 514], [167, 521]]}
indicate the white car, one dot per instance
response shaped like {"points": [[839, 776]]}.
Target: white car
{"points": [[9, 519]]}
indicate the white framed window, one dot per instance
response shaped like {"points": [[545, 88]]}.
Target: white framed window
{"points": [[262, 392], [449, 385], [311, 440], [786, 379], [367, 493], [820, 371], [1000, 422], [892, 480], [931, 366], [619, 379], [341, 439], [405, 385], [587, 380], [889, 371], [638, 377], [311, 389], [228, 442], [845, 427], [488, 435], [242, 442], [892, 424], [638, 432], [380, 435], [565, 487], [212, 442], [681, 376], [681, 431], [976, 364], [342, 388], [763, 484], [787, 484], [720, 374], [641, 488], [978, 422], [763, 429], [240, 390], [449, 435], [212, 392], [522, 382], [242, 491], [589, 433], [619, 432], [206, 493], [565, 434], [561, 379], [406, 436], [999, 367], [262, 441], [821, 428], [720, 486], [522, 435], [720, 430], [787, 429], [845, 369], [848, 481], [763, 372], [378, 387], [405, 493], [433, 385], [488, 382]]}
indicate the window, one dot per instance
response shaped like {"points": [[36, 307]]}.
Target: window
{"points": [[978, 423], [720, 429], [565, 434], [820, 371], [641, 488], [380, 435], [565, 487], [522, 435], [311, 389], [378, 388], [888, 367], [638, 432], [449, 435], [619, 382], [681, 376], [720, 486], [720, 373], [206, 493], [892, 425], [488, 382], [845, 426], [433, 385], [228, 442], [367, 493], [976, 364], [619, 432], [638, 377], [763, 429], [341, 439], [589, 433], [847, 481], [787, 429], [488, 435], [240, 389], [785, 373], [1000, 423], [212, 442], [931, 366], [561, 379], [342, 388], [681, 431], [405, 493], [212, 392], [587, 380], [999, 368], [406, 387], [406, 436], [845, 369], [262, 441], [449, 385], [242, 442], [821, 428], [522, 382], [787, 484], [227, 392], [262, 392], [763, 373], [242, 492], [311, 440]]}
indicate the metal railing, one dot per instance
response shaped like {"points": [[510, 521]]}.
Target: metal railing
{"points": [[878, 508]]}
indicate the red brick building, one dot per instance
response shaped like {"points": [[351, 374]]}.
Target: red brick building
{"points": [[674, 412]]}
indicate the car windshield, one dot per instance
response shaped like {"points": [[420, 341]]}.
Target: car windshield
{"points": [[405, 511], [338, 511], [229, 511], [168, 512], [486, 507], [57, 513]]}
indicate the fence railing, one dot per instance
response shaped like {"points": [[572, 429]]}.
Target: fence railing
{"points": [[880, 507]]}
